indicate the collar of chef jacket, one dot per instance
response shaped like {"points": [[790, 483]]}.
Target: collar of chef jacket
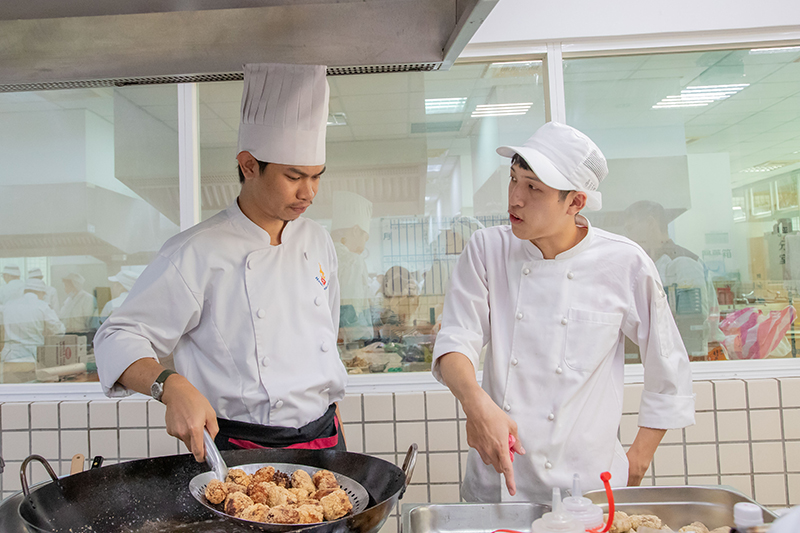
{"points": [[535, 253], [254, 229]]}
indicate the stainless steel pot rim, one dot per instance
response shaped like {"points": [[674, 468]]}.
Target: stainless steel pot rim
{"points": [[357, 493]]}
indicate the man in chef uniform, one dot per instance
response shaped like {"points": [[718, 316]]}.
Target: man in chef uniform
{"points": [[352, 214], [552, 298], [13, 287], [51, 296], [248, 300], [78, 307]]}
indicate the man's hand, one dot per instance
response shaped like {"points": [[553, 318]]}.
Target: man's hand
{"points": [[188, 413], [641, 452], [488, 428]]}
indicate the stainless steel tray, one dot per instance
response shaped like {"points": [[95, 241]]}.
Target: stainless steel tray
{"points": [[471, 517], [681, 505]]}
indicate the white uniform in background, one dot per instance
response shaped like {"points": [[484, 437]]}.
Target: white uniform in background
{"points": [[51, 294], [252, 326], [126, 278], [78, 308], [27, 322], [555, 357], [11, 291], [113, 305]]}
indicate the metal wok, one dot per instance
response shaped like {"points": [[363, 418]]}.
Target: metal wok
{"points": [[151, 496]]}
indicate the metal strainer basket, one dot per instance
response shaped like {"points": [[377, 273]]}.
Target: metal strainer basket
{"points": [[355, 491]]}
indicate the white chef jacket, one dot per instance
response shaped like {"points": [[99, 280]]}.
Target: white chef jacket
{"points": [[27, 321], [355, 291], [252, 326], [11, 291], [77, 311], [554, 360], [51, 298]]}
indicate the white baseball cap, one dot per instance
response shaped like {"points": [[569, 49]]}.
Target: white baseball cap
{"points": [[35, 284], [11, 270], [35, 273], [284, 113], [565, 159], [75, 278], [126, 278]]}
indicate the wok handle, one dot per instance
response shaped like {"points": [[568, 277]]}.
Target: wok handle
{"points": [[409, 464], [23, 477]]}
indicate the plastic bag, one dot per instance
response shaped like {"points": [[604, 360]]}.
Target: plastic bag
{"points": [[749, 334]]}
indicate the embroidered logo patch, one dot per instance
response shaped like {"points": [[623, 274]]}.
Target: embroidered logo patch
{"points": [[321, 278]]}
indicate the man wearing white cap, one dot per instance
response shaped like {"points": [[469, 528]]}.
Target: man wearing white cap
{"points": [[27, 320], [13, 287], [352, 214], [248, 300], [78, 308], [121, 284], [563, 295], [51, 296]]}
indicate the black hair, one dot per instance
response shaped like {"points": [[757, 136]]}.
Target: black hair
{"points": [[261, 166], [518, 160]]}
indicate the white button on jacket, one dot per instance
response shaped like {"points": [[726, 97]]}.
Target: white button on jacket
{"points": [[201, 299], [575, 328]]}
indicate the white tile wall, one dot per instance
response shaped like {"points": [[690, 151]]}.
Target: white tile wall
{"points": [[747, 436]]}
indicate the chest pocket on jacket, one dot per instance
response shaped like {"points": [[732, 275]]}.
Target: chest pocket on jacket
{"points": [[591, 335]]}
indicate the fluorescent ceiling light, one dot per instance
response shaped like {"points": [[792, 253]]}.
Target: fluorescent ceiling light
{"points": [[337, 119], [764, 167], [501, 110], [514, 64], [438, 106], [700, 95], [434, 168], [775, 50]]}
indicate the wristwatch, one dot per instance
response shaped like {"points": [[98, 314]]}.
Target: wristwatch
{"points": [[157, 388]]}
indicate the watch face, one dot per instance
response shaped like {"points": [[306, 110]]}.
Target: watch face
{"points": [[155, 390]]}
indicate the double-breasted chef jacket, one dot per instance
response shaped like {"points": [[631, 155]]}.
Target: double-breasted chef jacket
{"points": [[554, 332], [27, 320], [252, 326]]}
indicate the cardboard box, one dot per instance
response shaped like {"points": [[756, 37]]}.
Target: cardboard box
{"points": [[60, 350]]}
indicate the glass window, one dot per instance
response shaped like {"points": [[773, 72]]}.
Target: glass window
{"points": [[411, 173], [88, 194], [704, 152]]}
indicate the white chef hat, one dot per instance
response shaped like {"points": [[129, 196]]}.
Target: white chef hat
{"points": [[284, 113], [350, 209], [35, 284], [11, 270], [76, 279], [126, 278], [35, 273]]}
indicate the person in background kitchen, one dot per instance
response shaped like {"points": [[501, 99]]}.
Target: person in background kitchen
{"points": [[553, 298], [352, 214], [27, 321], [78, 308], [13, 287], [51, 296], [248, 300], [121, 284]]}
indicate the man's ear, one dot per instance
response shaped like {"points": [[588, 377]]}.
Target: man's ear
{"points": [[577, 202], [248, 164]]}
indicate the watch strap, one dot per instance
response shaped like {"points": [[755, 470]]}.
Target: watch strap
{"points": [[157, 389]]}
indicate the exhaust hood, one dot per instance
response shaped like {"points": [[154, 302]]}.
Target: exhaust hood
{"points": [[52, 44]]}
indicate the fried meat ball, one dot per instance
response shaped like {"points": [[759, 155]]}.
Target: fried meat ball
{"points": [[256, 512], [215, 491], [694, 527], [283, 514], [721, 529], [231, 487], [278, 495], [263, 475], [301, 494], [258, 492], [318, 495], [282, 479], [237, 475], [310, 514], [621, 524], [335, 505], [324, 479], [301, 480], [236, 503], [647, 520]]}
